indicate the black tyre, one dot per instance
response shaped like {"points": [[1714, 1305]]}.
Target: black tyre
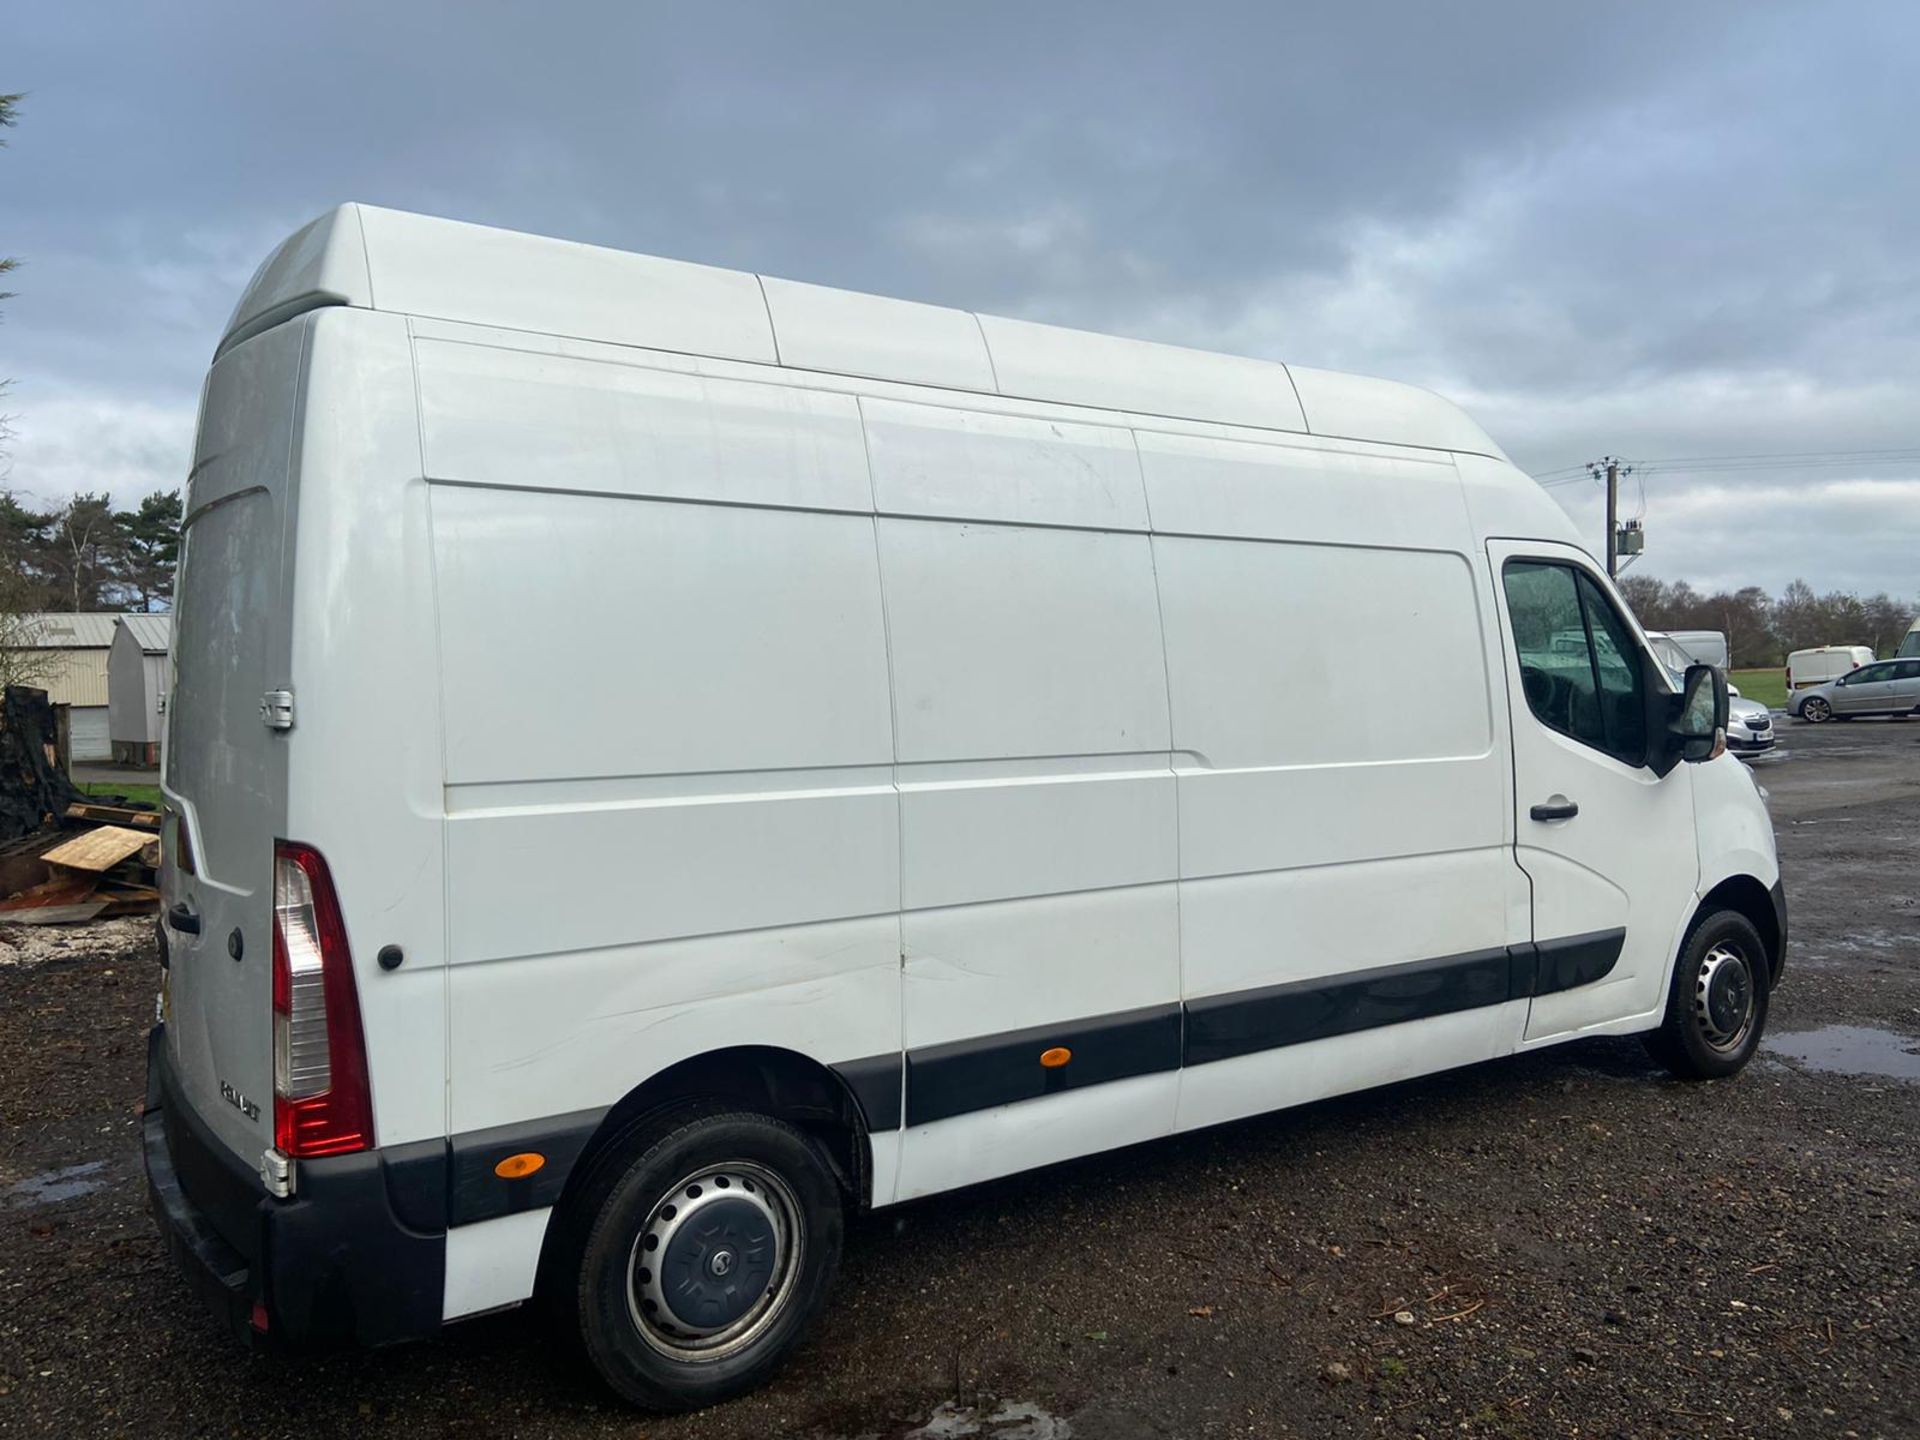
{"points": [[1717, 1008], [709, 1240], [1816, 711]]}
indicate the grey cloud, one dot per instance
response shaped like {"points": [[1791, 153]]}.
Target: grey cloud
{"points": [[1643, 228]]}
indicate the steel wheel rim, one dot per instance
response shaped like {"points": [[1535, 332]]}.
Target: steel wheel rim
{"points": [[1724, 996], [1816, 710], [678, 1226]]}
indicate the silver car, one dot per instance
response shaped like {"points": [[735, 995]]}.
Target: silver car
{"points": [[1749, 726], [1886, 687], [1749, 723]]}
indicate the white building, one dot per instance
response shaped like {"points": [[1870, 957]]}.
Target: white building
{"points": [[137, 673]]}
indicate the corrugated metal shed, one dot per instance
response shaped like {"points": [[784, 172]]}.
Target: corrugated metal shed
{"points": [[66, 630], [153, 633], [73, 668], [72, 677]]}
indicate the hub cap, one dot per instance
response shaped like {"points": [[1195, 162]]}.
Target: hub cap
{"points": [[713, 1264], [1723, 998]]}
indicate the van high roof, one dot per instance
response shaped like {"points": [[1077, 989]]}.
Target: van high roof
{"points": [[376, 259]]}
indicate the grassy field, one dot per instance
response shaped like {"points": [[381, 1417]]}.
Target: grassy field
{"points": [[1769, 687], [146, 794]]}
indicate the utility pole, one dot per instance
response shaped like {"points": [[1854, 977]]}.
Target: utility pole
{"points": [[1610, 468]]}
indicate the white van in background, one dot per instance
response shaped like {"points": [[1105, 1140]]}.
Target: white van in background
{"points": [[663, 758], [1910, 646], [1822, 663], [1706, 647]]}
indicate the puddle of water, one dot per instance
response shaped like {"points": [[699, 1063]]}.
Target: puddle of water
{"points": [[1011, 1420], [1852, 1050], [52, 1186]]}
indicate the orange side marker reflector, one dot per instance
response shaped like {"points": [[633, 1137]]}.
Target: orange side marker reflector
{"points": [[518, 1167], [1056, 1057]]}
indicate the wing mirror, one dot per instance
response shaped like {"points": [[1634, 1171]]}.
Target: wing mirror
{"points": [[1689, 726], [1698, 729]]}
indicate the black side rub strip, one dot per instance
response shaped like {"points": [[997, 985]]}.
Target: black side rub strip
{"points": [[1220, 1027], [967, 1075], [1565, 964], [479, 1193], [875, 1083], [943, 1081]]}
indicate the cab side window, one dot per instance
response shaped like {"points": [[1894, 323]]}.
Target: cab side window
{"points": [[1617, 670], [1579, 664]]}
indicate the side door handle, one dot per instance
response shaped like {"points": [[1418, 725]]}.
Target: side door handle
{"points": [[1558, 808], [183, 919]]}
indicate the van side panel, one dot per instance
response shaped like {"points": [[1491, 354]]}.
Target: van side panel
{"points": [[364, 752], [1343, 801], [1037, 802], [670, 814]]}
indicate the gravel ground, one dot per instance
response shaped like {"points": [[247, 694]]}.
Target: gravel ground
{"points": [[1559, 1244]]}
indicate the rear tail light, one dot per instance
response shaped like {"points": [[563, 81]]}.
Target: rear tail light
{"points": [[321, 1099]]}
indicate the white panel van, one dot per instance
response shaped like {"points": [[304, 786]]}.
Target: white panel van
{"points": [[662, 759], [1821, 663]]}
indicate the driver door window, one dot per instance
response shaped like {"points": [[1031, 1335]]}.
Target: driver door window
{"points": [[1579, 664], [1864, 689]]}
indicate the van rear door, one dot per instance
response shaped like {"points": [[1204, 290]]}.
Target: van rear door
{"points": [[224, 770]]}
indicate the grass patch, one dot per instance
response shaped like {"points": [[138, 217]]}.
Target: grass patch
{"points": [[1769, 687], [140, 794]]}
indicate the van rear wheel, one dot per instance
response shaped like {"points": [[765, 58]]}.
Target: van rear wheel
{"points": [[712, 1242], [1717, 1006]]}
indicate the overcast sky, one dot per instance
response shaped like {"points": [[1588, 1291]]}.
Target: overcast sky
{"points": [[1653, 230]]}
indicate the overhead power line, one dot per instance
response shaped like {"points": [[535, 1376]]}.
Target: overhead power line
{"points": [[1752, 463]]}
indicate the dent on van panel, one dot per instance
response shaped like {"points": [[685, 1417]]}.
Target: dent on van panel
{"points": [[987, 969], [578, 1029], [497, 416]]}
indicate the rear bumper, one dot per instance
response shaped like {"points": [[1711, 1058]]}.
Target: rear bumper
{"points": [[358, 1256]]}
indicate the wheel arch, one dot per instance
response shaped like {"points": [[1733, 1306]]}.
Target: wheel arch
{"points": [[1749, 897], [772, 1080], [768, 1079]]}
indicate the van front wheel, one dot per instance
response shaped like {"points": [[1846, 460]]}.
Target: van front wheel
{"points": [[709, 1251], [1717, 1008]]}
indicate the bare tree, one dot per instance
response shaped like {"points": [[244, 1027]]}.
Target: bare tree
{"points": [[22, 660], [1886, 621]]}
